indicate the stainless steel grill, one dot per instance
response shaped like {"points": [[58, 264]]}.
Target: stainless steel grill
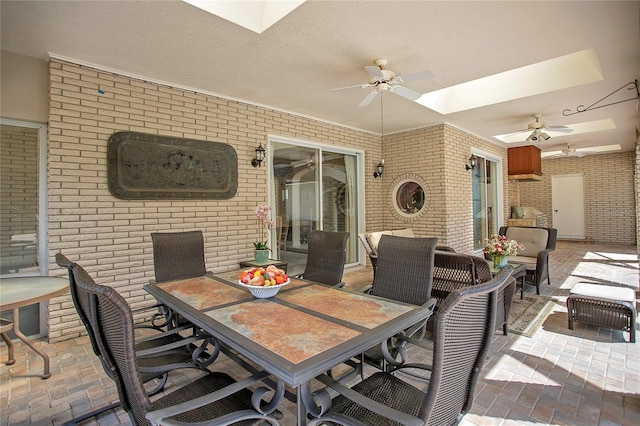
{"points": [[531, 215]]}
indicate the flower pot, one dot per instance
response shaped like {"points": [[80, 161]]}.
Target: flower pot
{"points": [[261, 255], [499, 261]]}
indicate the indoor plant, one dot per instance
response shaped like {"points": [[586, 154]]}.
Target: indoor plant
{"points": [[261, 249], [499, 247]]}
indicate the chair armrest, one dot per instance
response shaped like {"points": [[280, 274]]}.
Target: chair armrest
{"points": [[162, 334], [542, 263], [162, 416], [376, 407], [159, 350]]}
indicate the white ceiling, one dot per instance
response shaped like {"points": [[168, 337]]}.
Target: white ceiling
{"points": [[321, 45]]}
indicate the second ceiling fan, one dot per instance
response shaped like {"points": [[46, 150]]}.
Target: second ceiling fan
{"points": [[381, 80], [537, 129]]}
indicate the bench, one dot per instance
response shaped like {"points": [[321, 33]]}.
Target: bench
{"points": [[606, 306]]}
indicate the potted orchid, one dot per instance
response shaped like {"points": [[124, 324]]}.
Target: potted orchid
{"points": [[261, 249], [499, 247]]}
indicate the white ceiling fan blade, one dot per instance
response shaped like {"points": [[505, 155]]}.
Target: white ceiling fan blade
{"points": [[423, 75], [374, 71], [517, 132], [361, 86], [412, 95], [367, 99], [560, 129]]}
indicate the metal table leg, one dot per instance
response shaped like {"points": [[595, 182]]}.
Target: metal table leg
{"points": [[18, 333], [6, 325]]}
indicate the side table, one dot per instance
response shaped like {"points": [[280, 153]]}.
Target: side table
{"points": [[24, 291], [253, 263], [519, 273]]}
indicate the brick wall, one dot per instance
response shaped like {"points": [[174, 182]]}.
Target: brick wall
{"points": [[437, 156], [609, 194], [111, 237]]}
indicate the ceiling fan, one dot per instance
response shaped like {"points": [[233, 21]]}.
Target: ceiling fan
{"points": [[382, 80], [570, 151], [537, 129]]}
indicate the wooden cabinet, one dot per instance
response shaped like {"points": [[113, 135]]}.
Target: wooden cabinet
{"points": [[524, 160]]}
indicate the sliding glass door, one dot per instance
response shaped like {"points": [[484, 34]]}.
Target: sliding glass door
{"points": [[312, 188]]}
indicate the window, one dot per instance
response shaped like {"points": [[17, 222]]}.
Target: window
{"points": [[23, 213]]}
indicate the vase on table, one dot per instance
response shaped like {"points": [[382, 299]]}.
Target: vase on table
{"points": [[499, 261], [261, 256]]}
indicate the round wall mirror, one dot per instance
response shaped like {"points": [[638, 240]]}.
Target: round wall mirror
{"points": [[408, 198]]}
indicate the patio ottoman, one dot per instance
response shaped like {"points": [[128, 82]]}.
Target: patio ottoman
{"points": [[603, 305]]}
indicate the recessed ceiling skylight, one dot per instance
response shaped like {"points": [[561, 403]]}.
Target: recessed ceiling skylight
{"points": [[255, 15], [586, 127], [588, 150], [554, 74]]}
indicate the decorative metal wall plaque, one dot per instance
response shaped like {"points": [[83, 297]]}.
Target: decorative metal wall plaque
{"points": [[144, 166]]}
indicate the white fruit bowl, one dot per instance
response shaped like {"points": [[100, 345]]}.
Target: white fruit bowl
{"points": [[264, 292]]}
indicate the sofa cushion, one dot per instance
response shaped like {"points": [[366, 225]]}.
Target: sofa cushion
{"points": [[407, 232], [530, 262], [623, 294], [534, 240], [373, 238]]}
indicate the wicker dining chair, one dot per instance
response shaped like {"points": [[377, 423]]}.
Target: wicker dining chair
{"points": [[404, 273], [212, 396], [159, 352], [326, 256], [464, 329], [178, 255]]}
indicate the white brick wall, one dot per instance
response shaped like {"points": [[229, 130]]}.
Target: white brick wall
{"points": [[609, 194], [111, 237], [438, 154]]}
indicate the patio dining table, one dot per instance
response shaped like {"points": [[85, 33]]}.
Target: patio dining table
{"points": [[303, 331]]}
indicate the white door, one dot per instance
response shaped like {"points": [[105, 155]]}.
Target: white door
{"points": [[567, 192]]}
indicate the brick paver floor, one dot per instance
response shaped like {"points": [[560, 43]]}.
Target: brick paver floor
{"points": [[585, 376]]}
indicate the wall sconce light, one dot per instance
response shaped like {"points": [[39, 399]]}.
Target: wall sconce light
{"points": [[259, 156], [379, 169], [472, 162]]}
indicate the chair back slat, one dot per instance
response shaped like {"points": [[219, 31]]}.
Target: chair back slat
{"points": [[326, 256], [178, 255], [405, 269]]}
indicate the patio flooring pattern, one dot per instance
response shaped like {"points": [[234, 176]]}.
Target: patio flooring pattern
{"points": [[586, 376]]}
